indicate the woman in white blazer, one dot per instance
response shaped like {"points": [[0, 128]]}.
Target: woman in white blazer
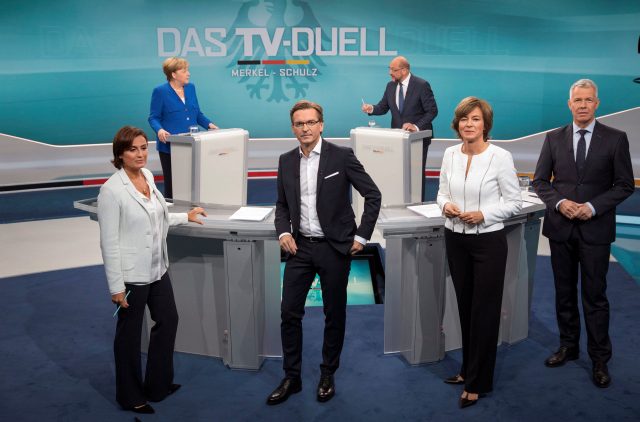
{"points": [[134, 221], [478, 191]]}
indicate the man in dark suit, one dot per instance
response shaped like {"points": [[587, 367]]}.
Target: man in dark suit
{"points": [[583, 173], [411, 102], [317, 229]]}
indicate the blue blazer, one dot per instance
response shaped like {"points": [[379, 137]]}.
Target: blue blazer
{"points": [[419, 104], [168, 112]]}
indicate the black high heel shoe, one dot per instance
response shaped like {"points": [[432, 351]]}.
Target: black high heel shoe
{"points": [[456, 379], [145, 409]]}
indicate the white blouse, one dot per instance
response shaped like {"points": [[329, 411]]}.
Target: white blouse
{"points": [[155, 210], [491, 186]]}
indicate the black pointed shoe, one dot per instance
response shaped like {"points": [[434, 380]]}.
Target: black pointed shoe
{"points": [[601, 377], [465, 402], [287, 387], [326, 388], [562, 356], [456, 379], [145, 409]]}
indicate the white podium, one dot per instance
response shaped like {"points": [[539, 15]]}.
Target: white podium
{"points": [[393, 159], [210, 166]]}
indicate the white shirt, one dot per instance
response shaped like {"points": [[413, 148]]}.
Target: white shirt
{"points": [[155, 210], [491, 186], [405, 86], [309, 222], [587, 139]]}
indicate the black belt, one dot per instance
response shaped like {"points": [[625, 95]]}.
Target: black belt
{"points": [[312, 239]]}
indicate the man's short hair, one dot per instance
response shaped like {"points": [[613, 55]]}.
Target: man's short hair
{"points": [[466, 106], [173, 64], [123, 140], [305, 105], [583, 83]]}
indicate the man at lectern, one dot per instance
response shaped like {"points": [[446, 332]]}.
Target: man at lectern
{"points": [[317, 229], [411, 101]]}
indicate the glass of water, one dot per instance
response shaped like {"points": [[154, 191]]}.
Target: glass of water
{"points": [[372, 123], [524, 183], [193, 129]]}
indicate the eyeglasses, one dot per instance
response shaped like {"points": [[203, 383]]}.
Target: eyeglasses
{"points": [[396, 69], [310, 124]]}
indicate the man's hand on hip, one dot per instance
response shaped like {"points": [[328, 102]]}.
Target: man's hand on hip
{"points": [[288, 244], [356, 247]]}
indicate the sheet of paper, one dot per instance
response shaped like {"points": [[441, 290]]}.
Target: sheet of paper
{"points": [[531, 198], [251, 213], [428, 210]]}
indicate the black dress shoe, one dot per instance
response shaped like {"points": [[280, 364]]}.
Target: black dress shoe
{"points": [[144, 409], [561, 357], [326, 388], [601, 377], [287, 387], [456, 379]]}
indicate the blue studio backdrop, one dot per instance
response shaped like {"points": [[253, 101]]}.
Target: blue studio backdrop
{"points": [[74, 71]]}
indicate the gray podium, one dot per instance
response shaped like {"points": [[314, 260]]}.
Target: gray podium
{"points": [[393, 159], [226, 282], [420, 311], [210, 166]]}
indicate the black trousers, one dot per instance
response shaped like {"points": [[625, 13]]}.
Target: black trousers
{"points": [[165, 162], [300, 270], [593, 263], [425, 149], [130, 389], [477, 263]]}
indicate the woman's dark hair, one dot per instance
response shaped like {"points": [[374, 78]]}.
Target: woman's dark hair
{"points": [[122, 141]]}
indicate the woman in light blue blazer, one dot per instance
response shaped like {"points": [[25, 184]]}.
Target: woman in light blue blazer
{"points": [[134, 221], [174, 109]]}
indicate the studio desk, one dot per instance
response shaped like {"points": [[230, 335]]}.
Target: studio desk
{"points": [[226, 282], [420, 310]]}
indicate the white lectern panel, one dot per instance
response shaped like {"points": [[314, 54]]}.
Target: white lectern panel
{"points": [[211, 166], [393, 158]]}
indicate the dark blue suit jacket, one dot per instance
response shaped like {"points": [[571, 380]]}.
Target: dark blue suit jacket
{"points": [[168, 112], [338, 170], [606, 181], [419, 104]]}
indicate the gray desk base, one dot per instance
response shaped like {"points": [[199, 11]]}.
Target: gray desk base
{"points": [[226, 310], [421, 319]]}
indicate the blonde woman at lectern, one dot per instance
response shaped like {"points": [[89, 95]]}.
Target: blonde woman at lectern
{"points": [[478, 190], [134, 221], [174, 109]]}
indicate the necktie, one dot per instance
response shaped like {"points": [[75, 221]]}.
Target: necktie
{"points": [[581, 152], [400, 99]]}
